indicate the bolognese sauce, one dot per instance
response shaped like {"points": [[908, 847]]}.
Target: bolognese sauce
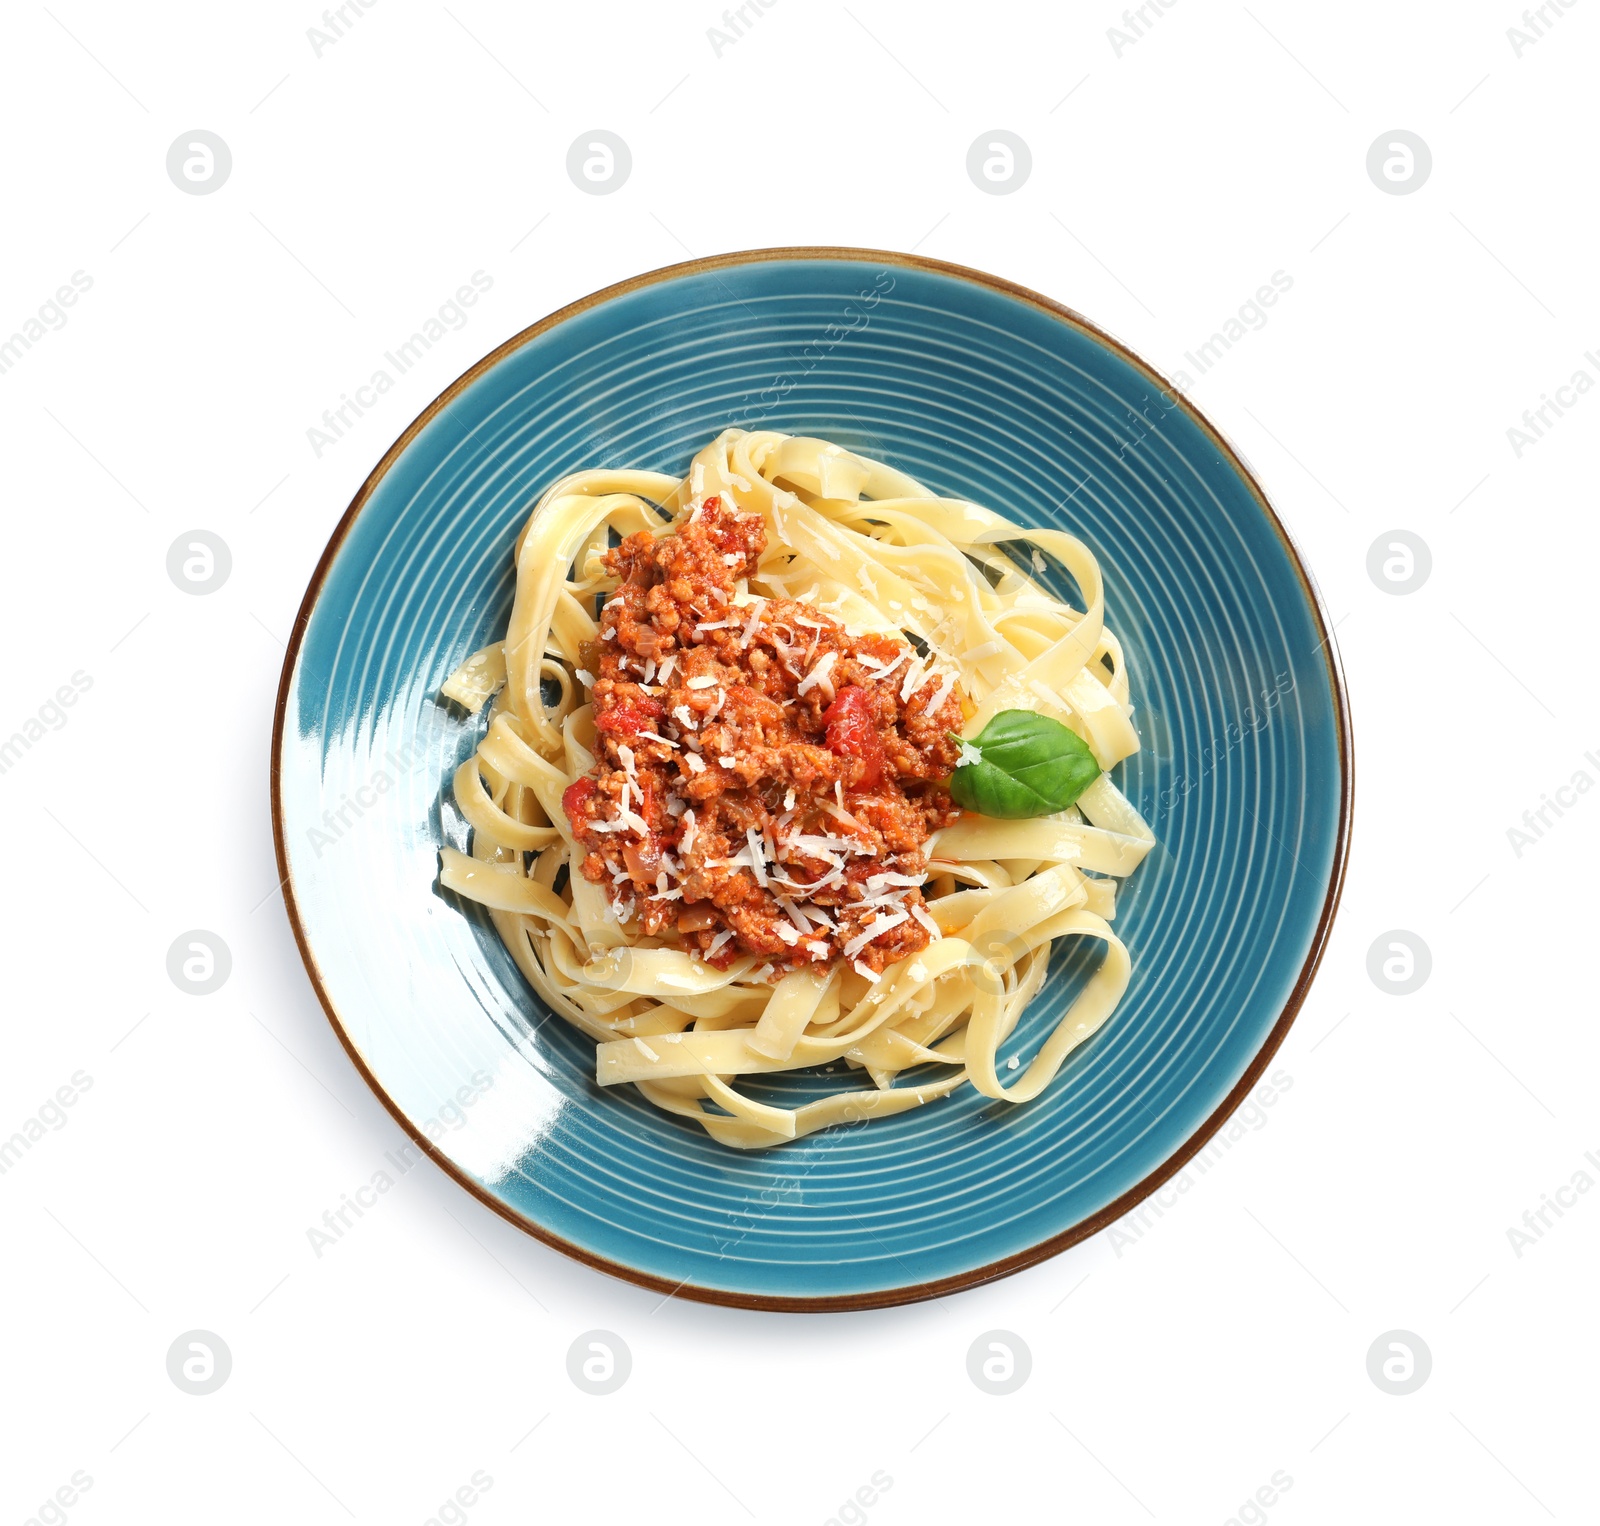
{"points": [[765, 781]]}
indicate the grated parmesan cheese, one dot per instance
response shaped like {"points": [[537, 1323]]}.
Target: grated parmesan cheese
{"points": [[884, 922], [941, 694], [818, 673], [933, 927], [793, 913], [840, 814], [758, 859], [752, 625], [881, 669]]}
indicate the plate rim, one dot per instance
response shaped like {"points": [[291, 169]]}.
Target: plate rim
{"points": [[1054, 1244]]}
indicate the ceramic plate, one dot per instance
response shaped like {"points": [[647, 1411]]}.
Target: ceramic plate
{"points": [[982, 390]]}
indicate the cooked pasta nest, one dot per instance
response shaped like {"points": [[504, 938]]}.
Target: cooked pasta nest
{"points": [[881, 554]]}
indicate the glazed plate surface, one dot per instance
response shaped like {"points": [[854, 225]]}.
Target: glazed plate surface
{"points": [[980, 390]]}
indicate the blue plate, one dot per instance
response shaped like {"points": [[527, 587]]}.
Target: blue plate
{"points": [[980, 389]]}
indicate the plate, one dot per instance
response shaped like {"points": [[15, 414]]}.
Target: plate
{"points": [[980, 389]]}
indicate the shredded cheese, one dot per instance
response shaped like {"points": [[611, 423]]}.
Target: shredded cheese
{"points": [[926, 921], [941, 694], [818, 673], [875, 929], [758, 858], [752, 625]]}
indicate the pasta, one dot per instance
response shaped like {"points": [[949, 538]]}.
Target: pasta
{"points": [[805, 895]]}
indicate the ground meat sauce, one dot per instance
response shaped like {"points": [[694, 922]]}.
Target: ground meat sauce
{"points": [[760, 784]]}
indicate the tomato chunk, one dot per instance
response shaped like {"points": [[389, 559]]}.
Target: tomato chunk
{"points": [[574, 798], [853, 733], [628, 717]]}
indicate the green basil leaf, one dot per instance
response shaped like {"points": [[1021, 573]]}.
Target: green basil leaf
{"points": [[1029, 765]]}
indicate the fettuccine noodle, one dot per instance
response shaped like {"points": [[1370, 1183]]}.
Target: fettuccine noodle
{"points": [[880, 554]]}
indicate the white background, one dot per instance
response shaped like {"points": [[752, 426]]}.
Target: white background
{"points": [[1176, 1367]]}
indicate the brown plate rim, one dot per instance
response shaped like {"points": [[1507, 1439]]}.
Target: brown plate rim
{"points": [[914, 1292]]}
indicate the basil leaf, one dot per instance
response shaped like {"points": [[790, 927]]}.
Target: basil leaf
{"points": [[1029, 765]]}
